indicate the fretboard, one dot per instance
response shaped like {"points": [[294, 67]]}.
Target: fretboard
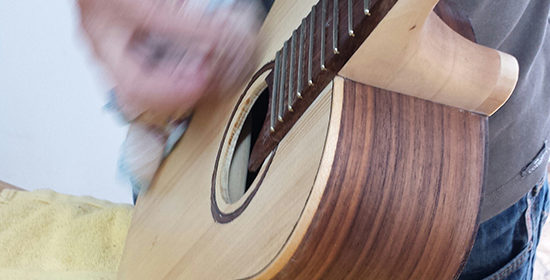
{"points": [[316, 51]]}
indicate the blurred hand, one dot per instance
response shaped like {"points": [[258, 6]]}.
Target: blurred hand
{"points": [[164, 55]]}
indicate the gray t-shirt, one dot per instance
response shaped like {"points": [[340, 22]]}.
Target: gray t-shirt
{"points": [[518, 131]]}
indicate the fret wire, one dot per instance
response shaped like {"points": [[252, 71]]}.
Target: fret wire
{"points": [[291, 72], [310, 55], [323, 21], [282, 85], [300, 58], [335, 24], [274, 91], [366, 7], [350, 19]]}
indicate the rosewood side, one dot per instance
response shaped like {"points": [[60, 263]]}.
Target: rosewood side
{"points": [[403, 194]]}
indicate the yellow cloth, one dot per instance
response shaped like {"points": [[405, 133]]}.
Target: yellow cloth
{"points": [[46, 235]]}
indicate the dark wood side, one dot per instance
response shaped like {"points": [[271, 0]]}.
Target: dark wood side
{"points": [[403, 194]]}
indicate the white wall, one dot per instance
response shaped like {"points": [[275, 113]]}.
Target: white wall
{"points": [[54, 132]]}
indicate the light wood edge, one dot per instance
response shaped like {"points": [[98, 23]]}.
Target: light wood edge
{"points": [[412, 51], [504, 87], [310, 209]]}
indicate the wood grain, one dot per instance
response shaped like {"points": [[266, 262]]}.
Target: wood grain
{"points": [[402, 198]]}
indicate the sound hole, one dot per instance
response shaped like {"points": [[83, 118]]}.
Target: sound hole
{"points": [[240, 179]]}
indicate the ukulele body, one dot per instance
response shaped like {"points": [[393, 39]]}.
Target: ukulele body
{"points": [[367, 183]]}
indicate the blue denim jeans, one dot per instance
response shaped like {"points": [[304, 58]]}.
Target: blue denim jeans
{"points": [[506, 244]]}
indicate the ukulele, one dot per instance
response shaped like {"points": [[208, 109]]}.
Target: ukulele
{"points": [[357, 150]]}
